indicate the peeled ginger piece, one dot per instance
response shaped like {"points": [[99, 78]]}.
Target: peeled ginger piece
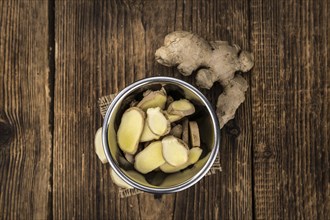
{"points": [[182, 107], [172, 118], [99, 147], [130, 130], [149, 158], [175, 151], [194, 134], [193, 157], [147, 134], [153, 99], [157, 122], [118, 181]]}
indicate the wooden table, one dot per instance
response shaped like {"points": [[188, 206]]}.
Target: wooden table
{"points": [[58, 57]]}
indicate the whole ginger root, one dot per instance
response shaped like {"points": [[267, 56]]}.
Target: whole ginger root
{"points": [[213, 61]]}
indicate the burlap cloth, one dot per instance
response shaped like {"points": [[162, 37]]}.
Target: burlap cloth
{"points": [[104, 103]]}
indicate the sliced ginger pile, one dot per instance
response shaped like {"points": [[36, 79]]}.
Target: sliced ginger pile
{"points": [[156, 135], [150, 134]]}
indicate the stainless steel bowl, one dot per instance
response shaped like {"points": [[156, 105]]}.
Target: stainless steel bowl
{"points": [[157, 182]]}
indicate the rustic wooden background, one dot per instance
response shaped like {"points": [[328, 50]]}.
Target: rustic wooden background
{"points": [[58, 57]]}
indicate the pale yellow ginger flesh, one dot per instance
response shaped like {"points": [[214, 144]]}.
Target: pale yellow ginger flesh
{"points": [[167, 168], [118, 181], [99, 147], [194, 134], [153, 99], [130, 129], [147, 134], [193, 156], [185, 131], [149, 158], [172, 118], [175, 151], [182, 107], [157, 122], [212, 61]]}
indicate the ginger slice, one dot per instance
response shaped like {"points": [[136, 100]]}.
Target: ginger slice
{"points": [[176, 131], [181, 107], [118, 181], [169, 101], [130, 129], [172, 118], [157, 122], [150, 158], [175, 151], [194, 134], [168, 168], [153, 99], [147, 134], [133, 103], [99, 146], [193, 157], [185, 131], [129, 158]]}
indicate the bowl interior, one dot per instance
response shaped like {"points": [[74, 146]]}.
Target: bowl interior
{"points": [[202, 116]]}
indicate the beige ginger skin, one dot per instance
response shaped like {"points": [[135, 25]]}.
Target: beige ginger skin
{"points": [[213, 61]]}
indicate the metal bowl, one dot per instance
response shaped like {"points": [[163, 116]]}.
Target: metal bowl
{"points": [[158, 182]]}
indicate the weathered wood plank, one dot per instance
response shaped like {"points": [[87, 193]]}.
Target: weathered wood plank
{"points": [[25, 129], [100, 48], [290, 93]]}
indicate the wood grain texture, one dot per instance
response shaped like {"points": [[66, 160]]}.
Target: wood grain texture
{"points": [[100, 49], [290, 93], [25, 134], [274, 155]]}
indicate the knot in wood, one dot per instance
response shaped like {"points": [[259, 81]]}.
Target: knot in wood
{"points": [[6, 132], [267, 153], [232, 129]]}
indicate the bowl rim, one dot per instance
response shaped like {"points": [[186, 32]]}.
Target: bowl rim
{"points": [[182, 186]]}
